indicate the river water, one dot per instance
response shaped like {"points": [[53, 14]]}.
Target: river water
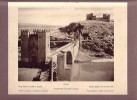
{"points": [[92, 71]]}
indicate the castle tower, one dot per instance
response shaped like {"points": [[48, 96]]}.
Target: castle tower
{"points": [[106, 17], [89, 16], [43, 46], [35, 47], [24, 45], [33, 50]]}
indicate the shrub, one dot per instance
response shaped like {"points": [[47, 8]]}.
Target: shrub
{"points": [[101, 54]]}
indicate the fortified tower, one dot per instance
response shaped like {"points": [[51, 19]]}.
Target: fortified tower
{"points": [[43, 46], [106, 17], [24, 45], [35, 47], [90, 17]]}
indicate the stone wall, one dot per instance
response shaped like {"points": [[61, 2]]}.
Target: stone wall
{"points": [[24, 45], [41, 46], [33, 50]]}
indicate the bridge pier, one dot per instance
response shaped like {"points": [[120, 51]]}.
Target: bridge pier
{"points": [[63, 73], [64, 54], [53, 69]]}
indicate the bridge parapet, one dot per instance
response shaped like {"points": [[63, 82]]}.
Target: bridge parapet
{"points": [[76, 48], [61, 49]]}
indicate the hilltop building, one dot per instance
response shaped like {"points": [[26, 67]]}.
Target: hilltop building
{"points": [[105, 17]]}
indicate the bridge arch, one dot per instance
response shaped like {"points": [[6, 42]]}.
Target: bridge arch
{"points": [[69, 58]]}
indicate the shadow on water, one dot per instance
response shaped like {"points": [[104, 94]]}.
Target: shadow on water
{"points": [[93, 71]]}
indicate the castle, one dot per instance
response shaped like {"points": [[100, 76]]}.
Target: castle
{"points": [[35, 47], [106, 17]]}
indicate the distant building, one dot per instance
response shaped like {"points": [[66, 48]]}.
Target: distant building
{"points": [[105, 17], [91, 17]]}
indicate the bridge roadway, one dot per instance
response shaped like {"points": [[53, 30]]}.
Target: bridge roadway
{"points": [[72, 47]]}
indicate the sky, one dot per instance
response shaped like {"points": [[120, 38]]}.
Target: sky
{"points": [[59, 15]]}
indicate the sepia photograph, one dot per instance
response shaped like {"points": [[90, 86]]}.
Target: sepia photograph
{"points": [[76, 49], [67, 48], [66, 44]]}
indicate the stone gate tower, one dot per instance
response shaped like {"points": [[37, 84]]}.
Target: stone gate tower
{"points": [[43, 45], [35, 47]]}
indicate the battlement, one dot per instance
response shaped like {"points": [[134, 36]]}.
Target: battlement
{"points": [[24, 31], [34, 31], [39, 31]]}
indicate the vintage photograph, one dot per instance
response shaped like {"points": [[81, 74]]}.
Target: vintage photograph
{"points": [[66, 44]]}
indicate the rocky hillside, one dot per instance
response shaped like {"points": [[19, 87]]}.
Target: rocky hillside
{"points": [[98, 29], [99, 36]]}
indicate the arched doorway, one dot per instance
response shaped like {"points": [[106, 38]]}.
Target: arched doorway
{"points": [[69, 58]]}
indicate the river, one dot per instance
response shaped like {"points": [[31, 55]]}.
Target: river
{"points": [[92, 71]]}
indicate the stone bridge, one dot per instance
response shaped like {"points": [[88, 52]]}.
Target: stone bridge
{"points": [[61, 59], [35, 53]]}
